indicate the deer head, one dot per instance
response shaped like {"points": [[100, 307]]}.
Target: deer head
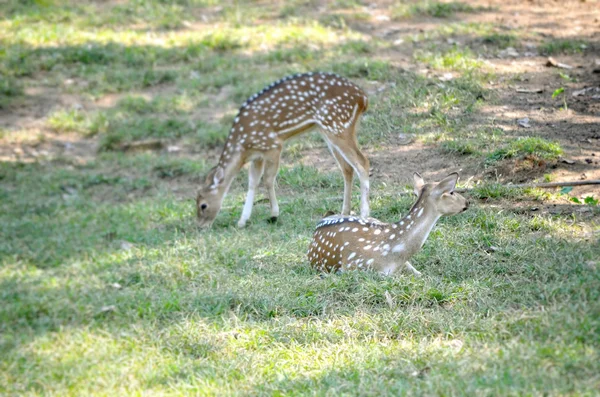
{"points": [[210, 197], [439, 197]]}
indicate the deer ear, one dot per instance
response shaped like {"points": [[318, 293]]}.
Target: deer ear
{"points": [[218, 176], [418, 183], [448, 184]]}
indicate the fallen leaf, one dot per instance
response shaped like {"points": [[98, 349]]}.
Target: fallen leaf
{"points": [[146, 144], [509, 52], [530, 90], [584, 91], [389, 299], [568, 161], [524, 122], [422, 372], [107, 309], [456, 344], [592, 264], [405, 139], [446, 77], [126, 246], [554, 63]]}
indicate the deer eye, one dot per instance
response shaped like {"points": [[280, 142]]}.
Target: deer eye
{"points": [[203, 206]]}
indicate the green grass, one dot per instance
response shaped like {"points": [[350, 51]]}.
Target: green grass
{"points": [[108, 287], [455, 58], [239, 311], [539, 147], [501, 40], [431, 8], [566, 46]]}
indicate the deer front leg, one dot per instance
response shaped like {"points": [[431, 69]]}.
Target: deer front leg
{"points": [[410, 268], [254, 175], [271, 169]]}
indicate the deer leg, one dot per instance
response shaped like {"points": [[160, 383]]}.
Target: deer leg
{"points": [[410, 268], [271, 170], [254, 175], [348, 149], [348, 173]]}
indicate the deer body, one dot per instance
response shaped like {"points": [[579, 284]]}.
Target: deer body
{"points": [[343, 243], [281, 111]]}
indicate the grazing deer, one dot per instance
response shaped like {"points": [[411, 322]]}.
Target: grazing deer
{"points": [[266, 120], [348, 243]]}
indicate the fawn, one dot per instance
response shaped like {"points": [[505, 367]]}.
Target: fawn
{"points": [[284, 109], [343, 243]]}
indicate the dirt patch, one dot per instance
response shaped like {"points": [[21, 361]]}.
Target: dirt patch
{"points": [[522, 87]]}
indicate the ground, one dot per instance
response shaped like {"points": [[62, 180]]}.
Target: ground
{"points": [[111, 112]]}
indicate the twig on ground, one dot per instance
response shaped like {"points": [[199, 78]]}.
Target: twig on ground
{"points": [[544, 185]]}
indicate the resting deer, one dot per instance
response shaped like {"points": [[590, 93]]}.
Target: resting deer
{"points": [[266, 120], [343, 243]]}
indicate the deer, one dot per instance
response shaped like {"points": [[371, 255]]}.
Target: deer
{"points": [[285, 109], [342, 243]]}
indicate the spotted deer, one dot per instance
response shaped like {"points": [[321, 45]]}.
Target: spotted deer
{"points": [[343, 243], [287, 108]]}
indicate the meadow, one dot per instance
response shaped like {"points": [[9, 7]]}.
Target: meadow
{"points": [[111, 112]]}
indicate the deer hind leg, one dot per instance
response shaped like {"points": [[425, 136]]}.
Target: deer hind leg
{"points": [[348, 173], [271, 170], [254, 175], [348, 149]]}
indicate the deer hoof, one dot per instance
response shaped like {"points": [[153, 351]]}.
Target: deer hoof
{"points": [[272, 219]]}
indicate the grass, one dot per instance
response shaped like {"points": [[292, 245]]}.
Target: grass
{"points": [[455, 58], [240, 312], [566, 46], [430, 8], [108, 287], [501, 40], [539, 147]]}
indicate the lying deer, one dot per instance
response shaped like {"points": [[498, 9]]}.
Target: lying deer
{"points": [[284, 109], [343, 243]]}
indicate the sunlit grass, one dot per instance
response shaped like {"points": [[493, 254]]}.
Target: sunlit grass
{"points": [[224, 37], [109, 288], [456, 58], [431, 8], [566, 46], [523, 146], [230, 310]]}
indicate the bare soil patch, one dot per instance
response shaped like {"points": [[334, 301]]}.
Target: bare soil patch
{"points": [[576, 127]]}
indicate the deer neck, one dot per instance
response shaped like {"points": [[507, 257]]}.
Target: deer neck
{"points": [[231, 162], [412, 230]]}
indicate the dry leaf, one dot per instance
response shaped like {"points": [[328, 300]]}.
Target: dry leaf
{"points": [[126, 246], [554, 63], [530, 90], [524, 122], [107, 309], [389, 299]]}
